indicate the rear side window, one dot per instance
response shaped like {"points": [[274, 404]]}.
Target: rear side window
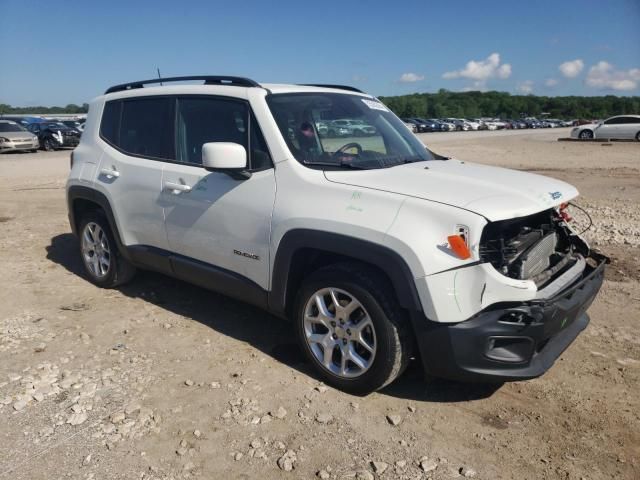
{"points": [[146, 127], [110, 123]]}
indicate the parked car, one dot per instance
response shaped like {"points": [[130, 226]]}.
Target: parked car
{"points": [[472, 123], [24, 121], [460, 125], [421, 125], [373, 258], [353, 127], [438, 124], [73, 124], [621, 127], [449, 126], [429, 125], [411, 126], [15, 138], [54, 135]]}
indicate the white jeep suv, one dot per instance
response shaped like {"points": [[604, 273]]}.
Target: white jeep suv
{"points": [[377, 249]]}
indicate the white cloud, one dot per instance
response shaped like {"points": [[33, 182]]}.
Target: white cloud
{"points": [[504, 71], [482, 70], [525, 87], [571, 68], [603, 75], [410, 78], [550, 82]]}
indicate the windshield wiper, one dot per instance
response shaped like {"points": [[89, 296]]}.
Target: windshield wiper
{"points": [[340, 164]]}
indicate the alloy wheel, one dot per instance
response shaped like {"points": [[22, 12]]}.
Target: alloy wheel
{"points": [[339, 332], [96, 252]]}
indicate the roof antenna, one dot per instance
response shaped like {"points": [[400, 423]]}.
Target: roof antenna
{"points": [[159, 77]]}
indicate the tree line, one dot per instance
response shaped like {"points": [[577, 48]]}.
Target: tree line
{"points": [[71, 108], [493, 104], [445, 104]]}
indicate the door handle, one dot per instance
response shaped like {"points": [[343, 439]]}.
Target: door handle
{"points": [[110, 173], [177, 188]]}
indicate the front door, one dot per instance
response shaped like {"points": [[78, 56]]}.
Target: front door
{"points": [[210, 216]]}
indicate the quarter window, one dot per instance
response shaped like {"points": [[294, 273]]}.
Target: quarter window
{"points": [[110, 124]]}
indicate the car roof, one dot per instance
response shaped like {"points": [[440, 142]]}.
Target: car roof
{"points": [[227, 90]]}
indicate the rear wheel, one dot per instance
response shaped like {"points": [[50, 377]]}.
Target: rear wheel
{"points": [[102, 261], [351, 328], [586, 134]]}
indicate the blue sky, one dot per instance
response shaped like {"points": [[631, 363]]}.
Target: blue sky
{"points": [[55, 53]]}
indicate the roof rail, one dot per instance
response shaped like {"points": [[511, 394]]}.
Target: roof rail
{"points": [[208, 80], [339, 87]]}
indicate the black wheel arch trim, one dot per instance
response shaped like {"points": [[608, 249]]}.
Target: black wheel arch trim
{"points": [[387, 260], [79, 192]]}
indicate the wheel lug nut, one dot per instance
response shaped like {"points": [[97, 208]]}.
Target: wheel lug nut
{"points": [[348, 331], [333, 324], [344, 341], [335, 337]]}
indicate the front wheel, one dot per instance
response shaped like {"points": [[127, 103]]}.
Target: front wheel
{"points": [[586, 134], [48, 145], [351, 328], [638, 137]]}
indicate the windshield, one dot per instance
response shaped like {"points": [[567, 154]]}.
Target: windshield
{"points": [[344, 130], [10, 127]]}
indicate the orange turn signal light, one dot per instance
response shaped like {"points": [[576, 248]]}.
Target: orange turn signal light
{"points": [[459, 246]]}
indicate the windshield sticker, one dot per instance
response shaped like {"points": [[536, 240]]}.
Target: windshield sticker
{"points": [[374, 105]]}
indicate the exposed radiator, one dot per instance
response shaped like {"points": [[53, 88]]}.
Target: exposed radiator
{"points": [[537, 258]]}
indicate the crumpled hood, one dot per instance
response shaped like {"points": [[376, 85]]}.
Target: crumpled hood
{"points": [[493, 192]]}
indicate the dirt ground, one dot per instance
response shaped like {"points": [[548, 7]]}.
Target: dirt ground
{"points": [[161, 379]]}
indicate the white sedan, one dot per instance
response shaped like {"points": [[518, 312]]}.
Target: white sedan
{"points": [[619, 127]]}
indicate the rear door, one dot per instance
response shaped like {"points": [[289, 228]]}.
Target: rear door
{"points": [[211, 217], [629, 127], [138, 136]]}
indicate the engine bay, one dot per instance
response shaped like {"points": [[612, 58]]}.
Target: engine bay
{"points": [[538, 247]]}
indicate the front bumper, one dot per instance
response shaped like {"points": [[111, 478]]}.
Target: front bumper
{"points": [[514, 341], [70, 141], [19, 146]]}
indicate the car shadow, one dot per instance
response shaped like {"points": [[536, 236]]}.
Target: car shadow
{"points": [[246, 323]]}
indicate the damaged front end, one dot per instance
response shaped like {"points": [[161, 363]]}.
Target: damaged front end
{"points": [[513, 339], [539, 247]]}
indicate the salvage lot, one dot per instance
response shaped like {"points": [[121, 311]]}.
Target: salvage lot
{"points": [[161, 379]]}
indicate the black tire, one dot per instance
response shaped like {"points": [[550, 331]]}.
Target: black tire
{"points": [[48, 145], [120, 271], [585, 135], [35, 150], [392, 328], [638, 137]]}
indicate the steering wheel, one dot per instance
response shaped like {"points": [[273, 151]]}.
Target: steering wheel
{"points": [[342, 149]]}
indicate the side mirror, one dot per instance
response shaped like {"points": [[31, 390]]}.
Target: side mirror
{"points": [[225, 157]]}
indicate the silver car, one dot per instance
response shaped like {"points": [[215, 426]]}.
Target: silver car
{"points": [[14, 137], [622, 127]]}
